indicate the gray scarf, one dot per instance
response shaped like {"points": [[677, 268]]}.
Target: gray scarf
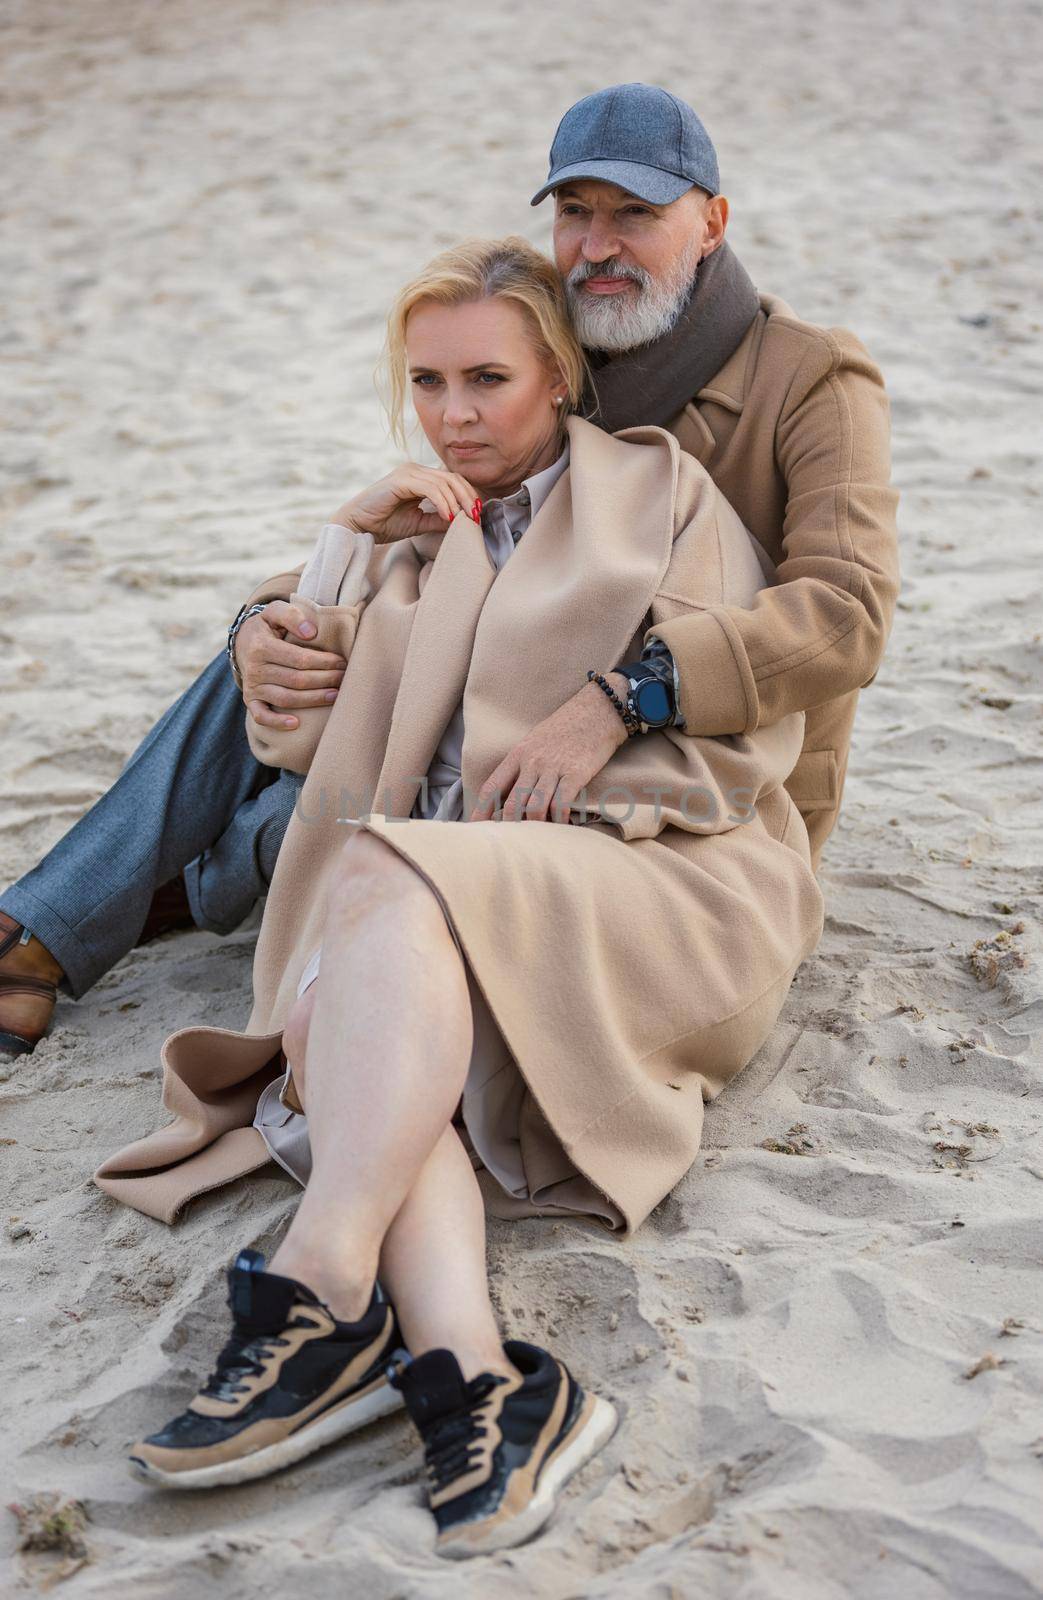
{"points": [[654, 382]]}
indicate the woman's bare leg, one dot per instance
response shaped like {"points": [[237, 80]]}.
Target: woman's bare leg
{"points": [[433, 1264], [387, 1051]]}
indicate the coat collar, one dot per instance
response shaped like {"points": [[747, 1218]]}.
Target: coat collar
{"points": [[727, 388], [730, 386]]}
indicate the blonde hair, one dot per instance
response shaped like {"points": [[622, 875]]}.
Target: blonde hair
{"points": [[483, 269]]}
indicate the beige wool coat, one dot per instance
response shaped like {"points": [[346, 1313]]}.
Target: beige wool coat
{"points": [[795, 432], [635, 963]]}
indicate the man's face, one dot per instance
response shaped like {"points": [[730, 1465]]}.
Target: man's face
{"points": [[628, 265]]}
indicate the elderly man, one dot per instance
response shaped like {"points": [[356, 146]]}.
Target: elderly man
{"points": [[790, 420]]}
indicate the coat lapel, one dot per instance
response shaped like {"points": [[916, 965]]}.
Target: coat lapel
{"points": [[693, 433], [436, 661], [574, 592]]}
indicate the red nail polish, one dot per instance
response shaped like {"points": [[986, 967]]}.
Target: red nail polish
{"points": [[476, 512]]}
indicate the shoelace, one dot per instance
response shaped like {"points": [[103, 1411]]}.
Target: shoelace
{"points": [[242, 1357], [452, 1442]]}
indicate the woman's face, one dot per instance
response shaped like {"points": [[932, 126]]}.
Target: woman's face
{"points": [[483, 393]]}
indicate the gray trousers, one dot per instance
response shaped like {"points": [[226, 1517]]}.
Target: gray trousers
{"points": [[193, 799]]}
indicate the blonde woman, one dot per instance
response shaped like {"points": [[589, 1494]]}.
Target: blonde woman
{"points": [[471, 1009]]}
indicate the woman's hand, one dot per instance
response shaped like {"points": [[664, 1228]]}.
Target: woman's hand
{"points": [[390, 509], [280, 676], [544, 772]]}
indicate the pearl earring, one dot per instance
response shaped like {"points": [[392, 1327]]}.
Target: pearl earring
{"points": [[559, 399]]}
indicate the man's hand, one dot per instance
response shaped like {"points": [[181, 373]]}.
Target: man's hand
{"points": [[279, 675], [544, 772]]}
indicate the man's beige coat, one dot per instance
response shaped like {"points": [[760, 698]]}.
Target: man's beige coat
{"points": [[795, 432], [634, 964]]}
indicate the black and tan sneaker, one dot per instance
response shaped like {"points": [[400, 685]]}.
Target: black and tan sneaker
{"points": [[290, 1379], [499, 1450]]}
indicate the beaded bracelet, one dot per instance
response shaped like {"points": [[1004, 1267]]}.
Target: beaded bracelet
{"points": [[632, 725]]}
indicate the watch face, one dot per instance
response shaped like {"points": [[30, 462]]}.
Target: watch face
{"points": [[654, 705]]}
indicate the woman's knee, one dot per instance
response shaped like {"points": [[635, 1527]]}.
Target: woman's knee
{"points": [[370, 873]]}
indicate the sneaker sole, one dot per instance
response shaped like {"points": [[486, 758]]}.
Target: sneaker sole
{"points": [[601, 1423], [335, 1424]]}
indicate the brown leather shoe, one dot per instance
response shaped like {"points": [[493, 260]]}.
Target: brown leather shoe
{"points": [[169, 910], [29, 978], [29, 974]]}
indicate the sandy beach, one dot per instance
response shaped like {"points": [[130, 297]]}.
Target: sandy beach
{"points": [[827, 1343]]}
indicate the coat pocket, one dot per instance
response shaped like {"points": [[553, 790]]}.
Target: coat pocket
{"points": [[813, 783], [294, 748]]}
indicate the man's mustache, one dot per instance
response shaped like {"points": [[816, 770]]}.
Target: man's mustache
{"points": [[606, 269]]}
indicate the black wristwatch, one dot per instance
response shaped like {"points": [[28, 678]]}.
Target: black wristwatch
{"points": [[650, 698]]}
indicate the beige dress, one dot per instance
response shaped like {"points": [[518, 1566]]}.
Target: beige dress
{"points": [[493, 1097]]}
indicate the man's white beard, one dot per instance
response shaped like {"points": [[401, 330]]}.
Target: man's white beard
{"points": [[616, 322]]}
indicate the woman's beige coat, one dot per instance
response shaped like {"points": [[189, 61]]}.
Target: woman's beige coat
{"points": [[795, 432], [634, 964]]}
